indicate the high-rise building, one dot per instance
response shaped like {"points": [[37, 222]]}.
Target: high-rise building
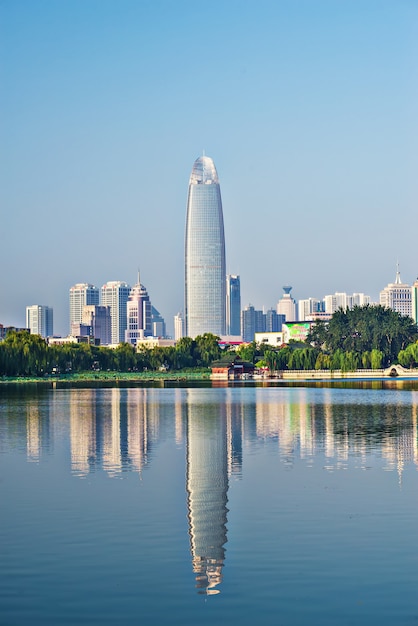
{"points": [[414, 302], [233, 305], [178, 326], [287, 305], [97, 317], [397, 296], [81, 294], [205, 273], [138, 311], [252, 321], [158, 323], [115, 295], [40, 320], [274, 321], [308, 307]]}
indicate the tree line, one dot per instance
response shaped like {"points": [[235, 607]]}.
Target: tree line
{"points": [[23, 354]]}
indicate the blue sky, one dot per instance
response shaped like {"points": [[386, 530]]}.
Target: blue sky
{"points": [[308, 108]]}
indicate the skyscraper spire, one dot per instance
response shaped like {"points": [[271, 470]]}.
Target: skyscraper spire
{"points": [[398, 280]]}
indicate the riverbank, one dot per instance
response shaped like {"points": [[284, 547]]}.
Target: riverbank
{"points": [[79, 378]]}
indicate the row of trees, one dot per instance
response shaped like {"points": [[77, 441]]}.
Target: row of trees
{"points": [[364, 330], [23, 354]]}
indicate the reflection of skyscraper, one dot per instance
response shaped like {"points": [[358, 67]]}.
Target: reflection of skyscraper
{"points": [[112, 454], [205, 273], [137, 427], [207, 487]]}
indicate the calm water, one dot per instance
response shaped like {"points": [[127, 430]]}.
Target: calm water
{"points": [[246, 505]]}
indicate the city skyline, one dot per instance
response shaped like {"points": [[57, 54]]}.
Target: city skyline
{"points": [[310, 117]]}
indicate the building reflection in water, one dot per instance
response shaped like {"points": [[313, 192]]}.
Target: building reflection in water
{"points": [[83, 431], [207, 487], [37, 429]]}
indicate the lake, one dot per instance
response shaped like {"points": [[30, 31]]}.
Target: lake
{"points": [[210, 504]]}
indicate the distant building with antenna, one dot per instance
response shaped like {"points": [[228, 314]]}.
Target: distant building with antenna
{"points": [[397, 296]]}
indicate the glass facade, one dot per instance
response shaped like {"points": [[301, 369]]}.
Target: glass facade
{"points": [[233, 305], [205, 268]]}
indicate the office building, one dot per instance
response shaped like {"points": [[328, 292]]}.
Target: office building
{"points": [[138, 310], [273, 321], [205, 273], [397, 296], [308, 307], [287, 305], [97, 317], [252, 321], [233, 305], [40, 320], [81, 294], [178, 326], [115, 295]]}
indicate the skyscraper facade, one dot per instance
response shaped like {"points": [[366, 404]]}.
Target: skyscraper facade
{"points": [[40, 320], [205, 268], [81, 295], [138, 310], [97, 317], [233, 305], [397, 296], [115, 295]]}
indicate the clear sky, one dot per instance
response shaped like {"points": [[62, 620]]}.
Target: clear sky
{"points": [[308, 108]]}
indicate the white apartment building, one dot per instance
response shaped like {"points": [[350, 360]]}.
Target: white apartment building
{"points": [[342, 300], [81, 294], [40, 320], [115, 295]]}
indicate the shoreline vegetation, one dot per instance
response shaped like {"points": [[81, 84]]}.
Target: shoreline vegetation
{"points": [[97, 377]]}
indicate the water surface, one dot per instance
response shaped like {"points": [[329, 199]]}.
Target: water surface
{"points": [[268, 505]]}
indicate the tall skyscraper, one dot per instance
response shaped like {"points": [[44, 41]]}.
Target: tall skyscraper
{"points": [[287, 305], [397, 296], [40, 320], [233, 305], [138, 310], [205, 269], [81, 294], [115, 295]]}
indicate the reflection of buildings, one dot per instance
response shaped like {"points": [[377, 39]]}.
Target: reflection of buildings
{"points": [[83, 430], [207, 486], [37, 428]]}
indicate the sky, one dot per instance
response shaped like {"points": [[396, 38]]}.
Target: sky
{"points": [[308, 109]]}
